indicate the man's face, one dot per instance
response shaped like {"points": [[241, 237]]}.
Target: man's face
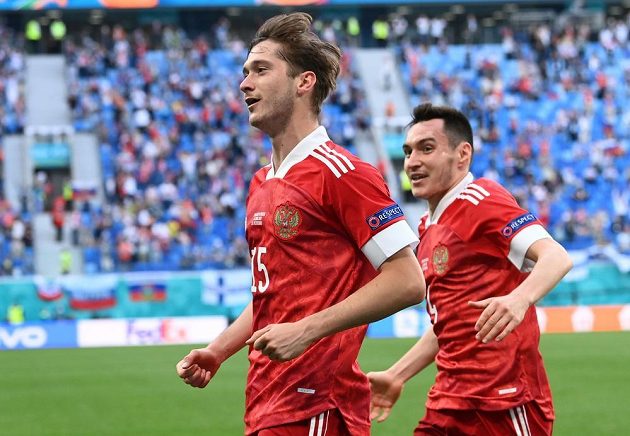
{"points": [[430, 162], [269, 91]]}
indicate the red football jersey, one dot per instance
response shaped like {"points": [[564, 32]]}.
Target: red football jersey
{"points": [[473, 248], [317, 228]]}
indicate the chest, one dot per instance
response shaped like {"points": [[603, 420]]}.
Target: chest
{"points": [[280, 212], [441, 253]]}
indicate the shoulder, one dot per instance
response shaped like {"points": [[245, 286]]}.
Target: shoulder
{"points": [[259, 177], [485, 193], [423, 222], [339, 166], [333, 160]]}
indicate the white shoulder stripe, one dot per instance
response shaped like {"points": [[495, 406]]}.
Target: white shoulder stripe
{"points": [[473, 200], [335, 161], [326, 162], [331, 157], [479, 188], [336, 153], [473, 193]]}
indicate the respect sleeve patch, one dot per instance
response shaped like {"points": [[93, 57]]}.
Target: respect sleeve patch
{"points": [[514, 225], [384, 216]]}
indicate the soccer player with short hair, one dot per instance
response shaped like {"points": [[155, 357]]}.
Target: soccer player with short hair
{"points": [[486, 263], [330, 251]]}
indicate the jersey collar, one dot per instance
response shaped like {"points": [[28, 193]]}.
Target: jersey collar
{"points": [[300, 152], [448, 199]]}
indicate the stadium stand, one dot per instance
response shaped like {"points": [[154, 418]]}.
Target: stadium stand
{"points": [[548, 107], [175, 151], [16, 237]]}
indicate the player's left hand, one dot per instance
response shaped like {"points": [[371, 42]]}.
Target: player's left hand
{"points": [[280, 342], [500, 316]]}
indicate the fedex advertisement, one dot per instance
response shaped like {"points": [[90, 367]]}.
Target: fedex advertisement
{"points": [[111, 332], [149, 331]]}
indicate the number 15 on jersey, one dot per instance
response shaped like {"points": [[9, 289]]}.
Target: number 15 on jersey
{"points": [[259, 265]]}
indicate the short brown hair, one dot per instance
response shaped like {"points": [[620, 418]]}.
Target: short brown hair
{"points": [[456, 125], [303, 50]]}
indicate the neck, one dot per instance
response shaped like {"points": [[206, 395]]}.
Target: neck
{"points": [[285, 141], [435, 201], [433, 205]]}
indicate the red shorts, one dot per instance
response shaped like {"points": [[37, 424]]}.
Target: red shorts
{"points": [[525, 420], [329, 423]]}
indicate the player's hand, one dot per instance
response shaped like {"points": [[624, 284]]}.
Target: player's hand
{"points": [[280, 342], [500, 316], [385, 392], [198, 367]]}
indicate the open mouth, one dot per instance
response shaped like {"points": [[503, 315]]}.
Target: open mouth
{"points": [[251, 101], [417, 177]]}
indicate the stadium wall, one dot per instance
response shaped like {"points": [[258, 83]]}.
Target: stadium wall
{"points": [[203, 329], [174, 308], [111, 332]]}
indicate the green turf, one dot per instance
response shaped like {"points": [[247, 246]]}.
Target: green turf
{"points": [[134, 391]]}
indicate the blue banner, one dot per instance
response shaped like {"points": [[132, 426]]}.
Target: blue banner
{"points": [[51, 334]]}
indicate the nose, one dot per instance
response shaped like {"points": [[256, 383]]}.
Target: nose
{"points": [[413, 161], [246, 84]]}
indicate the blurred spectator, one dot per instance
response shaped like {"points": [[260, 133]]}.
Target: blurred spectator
{"points": [[58, 217], [15, 313], [65, 261]]}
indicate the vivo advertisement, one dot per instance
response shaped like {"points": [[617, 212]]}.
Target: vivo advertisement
{"points": [[52, 334], [111, 332], [163, 331]]}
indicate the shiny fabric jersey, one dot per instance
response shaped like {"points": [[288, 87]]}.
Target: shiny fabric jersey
{"points": [[475, 249], [309, 231]]}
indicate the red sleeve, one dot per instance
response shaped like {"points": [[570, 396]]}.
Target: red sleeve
{"points": [[362, 203], [495, 216]]}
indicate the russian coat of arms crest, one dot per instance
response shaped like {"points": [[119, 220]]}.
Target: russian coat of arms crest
{"points": [[440, 259], [286, 221]]}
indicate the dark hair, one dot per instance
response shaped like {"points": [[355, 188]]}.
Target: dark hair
{"points": [[456, 125], [303, 50]]}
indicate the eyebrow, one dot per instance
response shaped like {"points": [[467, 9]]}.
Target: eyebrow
{"points": [[419, 143], [255, 63]]}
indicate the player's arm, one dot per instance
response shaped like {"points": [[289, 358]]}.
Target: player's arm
{"points": [[199, 366], [552, 263], [388, 385], [501, 315], [399, 284]]}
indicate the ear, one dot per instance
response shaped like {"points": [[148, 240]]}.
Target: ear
{"points": [[306, 82], [465, 152]]}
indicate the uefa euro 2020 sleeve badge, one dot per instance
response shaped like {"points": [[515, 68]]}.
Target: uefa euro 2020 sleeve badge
{"points": [[286, 221], [440, 259]]}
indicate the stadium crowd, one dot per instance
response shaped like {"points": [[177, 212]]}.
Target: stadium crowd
{"points": [[548, 104], [16, 233], [177, 151], [176, 146]]}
